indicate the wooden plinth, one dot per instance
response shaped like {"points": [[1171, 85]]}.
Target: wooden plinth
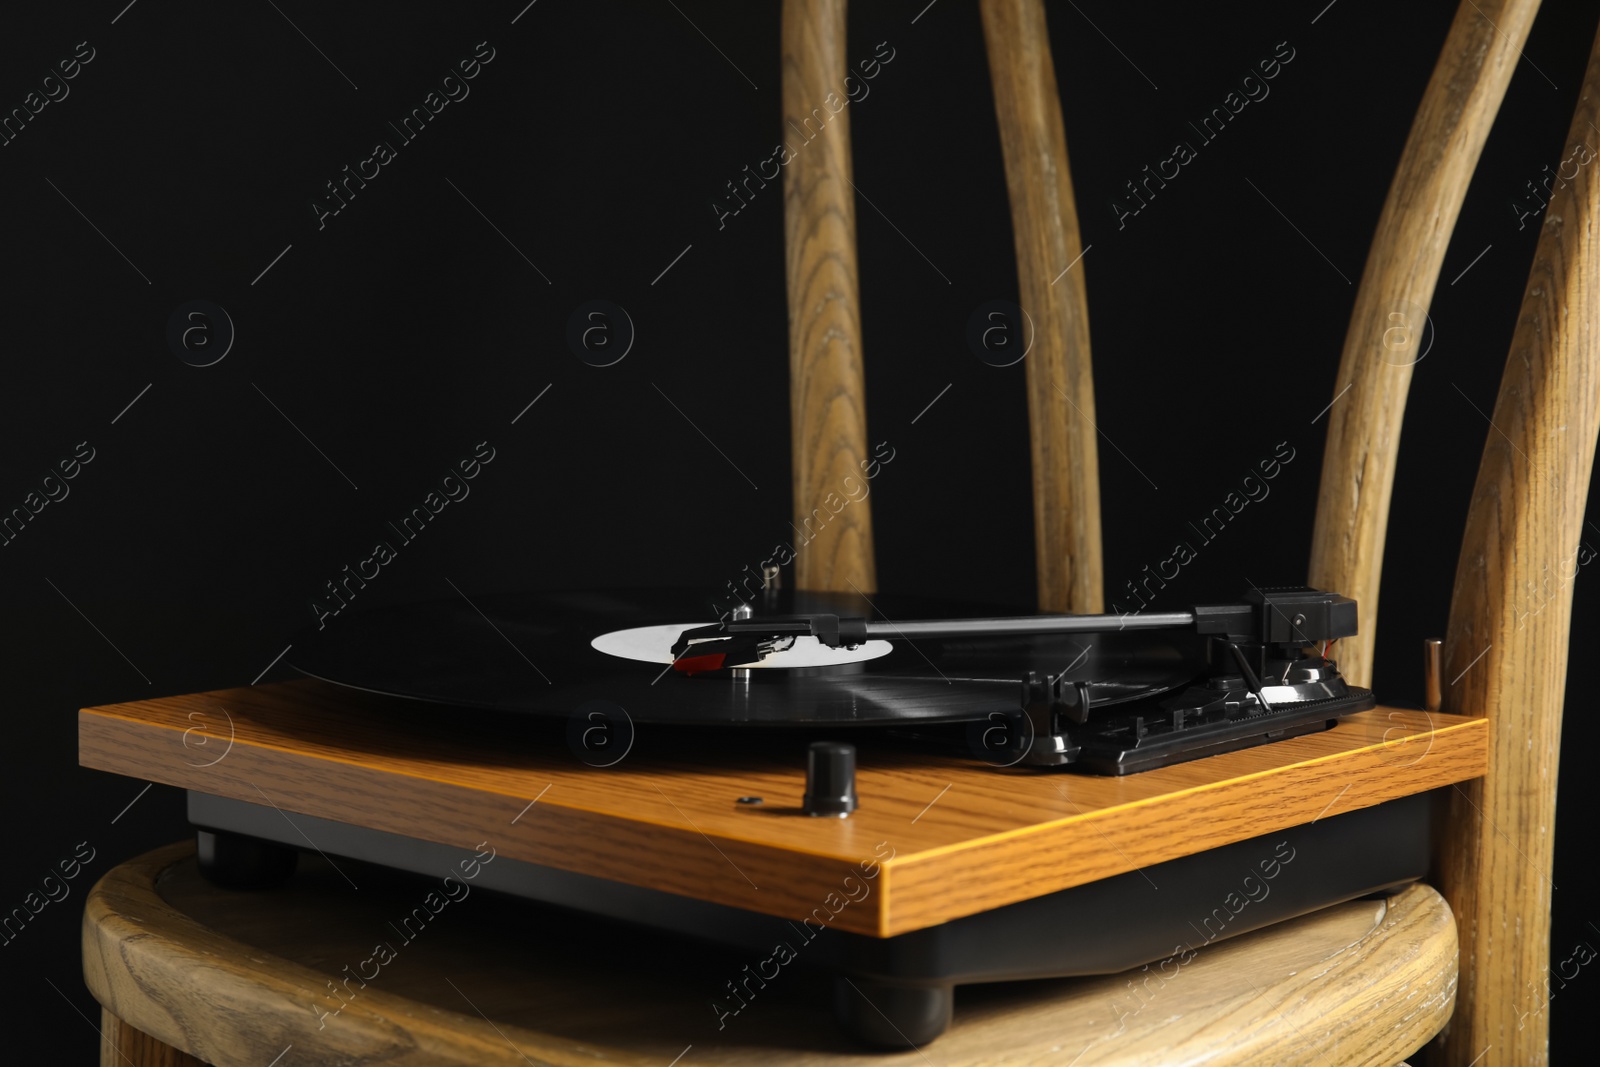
{"points": [[945, 837]]}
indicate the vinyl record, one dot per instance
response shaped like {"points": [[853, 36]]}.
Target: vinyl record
{"points": [[536, 653]]}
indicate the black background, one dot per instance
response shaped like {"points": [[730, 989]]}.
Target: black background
{"points": [[408, 329]]}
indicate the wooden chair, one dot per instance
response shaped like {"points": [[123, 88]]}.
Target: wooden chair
{"points": [[1505, 660], [156, 941]]}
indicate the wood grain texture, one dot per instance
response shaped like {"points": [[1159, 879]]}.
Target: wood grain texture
{"points": [[827, 390], [236, 977], [964, 837], [122, 1045], [1387, 323], [1510, 616], [1044, 223]]}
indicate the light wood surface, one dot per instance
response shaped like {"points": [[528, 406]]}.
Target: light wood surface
{"points": [[1510, 616], [1044, 223], [963, 837], [238, 977], [827, 393], [1387, 323]]}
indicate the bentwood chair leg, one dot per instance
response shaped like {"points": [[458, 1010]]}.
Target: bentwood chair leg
{"points": [[122, 1045]]}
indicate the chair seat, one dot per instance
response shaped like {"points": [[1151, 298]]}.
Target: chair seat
{"points": [[237, 977]]}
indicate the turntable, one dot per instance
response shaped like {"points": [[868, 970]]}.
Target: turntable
{"points": [[1110, 694], [907, 795]]}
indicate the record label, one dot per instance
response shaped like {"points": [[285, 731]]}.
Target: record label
{"points": [[653, 644]]}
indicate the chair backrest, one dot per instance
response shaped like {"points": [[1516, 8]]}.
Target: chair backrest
{"points": [[1050, 275], [826, 396], [1505, 652], [1502, 658], [1380, 348]]}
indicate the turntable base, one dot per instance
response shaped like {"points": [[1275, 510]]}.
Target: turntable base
{"points": [[936, 838]]}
